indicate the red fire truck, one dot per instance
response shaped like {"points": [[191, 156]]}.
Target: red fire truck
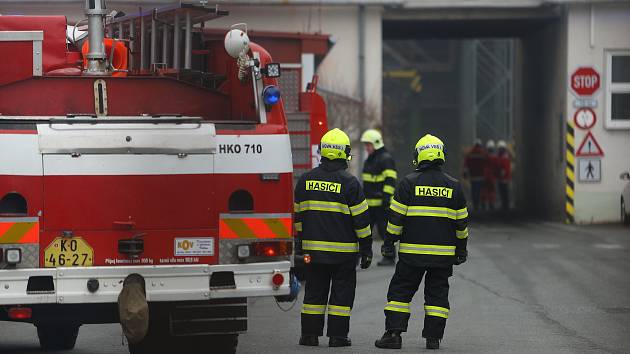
{"points": [[156, 157]]}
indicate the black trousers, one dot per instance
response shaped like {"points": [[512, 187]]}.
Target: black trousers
{"points": [[402, 288], [329, 288], [378, 218]]}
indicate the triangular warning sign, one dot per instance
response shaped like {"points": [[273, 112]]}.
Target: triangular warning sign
{"points": [[589, 147]]}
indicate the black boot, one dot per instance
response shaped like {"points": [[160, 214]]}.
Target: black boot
{"points": [[308, 340], [433, 343], [386, 261], [339, 342], [389, 340]]}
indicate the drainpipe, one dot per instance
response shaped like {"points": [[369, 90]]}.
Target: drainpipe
{"points": [[362, 94]]}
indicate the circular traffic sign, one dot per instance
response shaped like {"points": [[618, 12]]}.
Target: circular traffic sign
{"points": [[585, 81], [585, 118]]}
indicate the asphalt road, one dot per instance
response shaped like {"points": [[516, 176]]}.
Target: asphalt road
{"points": [[527, 288]]}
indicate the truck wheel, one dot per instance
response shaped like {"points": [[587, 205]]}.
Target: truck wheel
{"points": [[57, 337], [208, 344], [223, 344]]}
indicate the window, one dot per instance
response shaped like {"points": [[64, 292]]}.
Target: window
{"points": [[618, 90]]}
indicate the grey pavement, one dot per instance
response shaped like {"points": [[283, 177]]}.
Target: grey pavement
{"points": [[526, 288]]}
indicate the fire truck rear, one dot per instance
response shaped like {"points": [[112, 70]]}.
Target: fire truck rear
{"points": [[145, 178]]}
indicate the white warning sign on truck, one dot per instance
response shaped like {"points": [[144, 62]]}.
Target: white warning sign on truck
{"points": [[194, 246]]}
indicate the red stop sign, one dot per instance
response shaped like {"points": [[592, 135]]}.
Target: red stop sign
{"points": [[585, 81]]}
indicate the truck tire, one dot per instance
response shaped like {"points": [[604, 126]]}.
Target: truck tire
{"points": [[223, 344], [57, 337]]}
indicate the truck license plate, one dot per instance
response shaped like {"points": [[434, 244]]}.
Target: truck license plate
{"points": [[68, 252]]}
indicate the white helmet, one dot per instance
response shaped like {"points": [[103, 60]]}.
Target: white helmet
{"points": [[490, 144], [501, 144], [236, 41]]}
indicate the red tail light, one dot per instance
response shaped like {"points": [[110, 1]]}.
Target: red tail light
{"points": [[272, 249], [20, 313], [277, 279]]}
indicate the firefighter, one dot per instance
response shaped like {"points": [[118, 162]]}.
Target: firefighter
{"points": [[505, 174], [474, 170], [491, 172], [379, 182], [333, 226], [428, 215]]}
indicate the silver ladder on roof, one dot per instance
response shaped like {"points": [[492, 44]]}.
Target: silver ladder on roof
{"points": [[164, 28]]}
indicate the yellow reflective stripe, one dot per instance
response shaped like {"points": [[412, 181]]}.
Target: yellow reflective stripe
{"points": [[359, 208], [339, 310], [436, 250], [439, 212], [397, 306], [311, 309], [398, 207], [390, 173], [394, 229], [461, 213], [388, 189], [296, 207], [461, 234], [367, 177], [320, 205], [375, 202], [364, 232], [436, 311], [298, 226], [345, 247]]}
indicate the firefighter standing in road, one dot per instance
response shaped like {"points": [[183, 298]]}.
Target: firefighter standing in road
{"points": [[428, 215], [379, 182], [474, 169], [505, 174], [333, 225]]}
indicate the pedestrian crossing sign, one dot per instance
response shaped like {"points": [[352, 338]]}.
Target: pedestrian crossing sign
{"points": [[590, 170]]}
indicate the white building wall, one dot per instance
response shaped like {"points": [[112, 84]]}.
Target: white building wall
{"points": [[599, 202]]}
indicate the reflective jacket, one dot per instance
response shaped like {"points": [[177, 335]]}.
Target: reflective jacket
{"points": [[429, 216], [331, 215], [475, 163], [379, 178]]}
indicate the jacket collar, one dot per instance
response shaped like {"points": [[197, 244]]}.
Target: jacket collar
{"points": [[333, 165]]}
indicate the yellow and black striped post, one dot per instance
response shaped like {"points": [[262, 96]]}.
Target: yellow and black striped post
{"points": [[570, 171]]}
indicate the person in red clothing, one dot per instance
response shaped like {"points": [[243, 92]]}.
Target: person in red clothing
{"points": [[491, 171], [474, 166], [505, 174]]}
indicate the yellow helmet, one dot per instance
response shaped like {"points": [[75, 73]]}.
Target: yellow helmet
{"points": [[429, 148], [373, 136], [335, 144]]}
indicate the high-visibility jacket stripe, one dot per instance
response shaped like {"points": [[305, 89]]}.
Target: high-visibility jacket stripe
{"points": [[319, 205], [436, 311], [19, 230], [389, 173], [388, 189], [394, 229], [345, 247], [367, 177], [364, 232], [298, 226], [375, 202], [233, 226], [398, 207], [359, 208], [436, 250], [461, 234], [415, 210], [339, 310], [397, 307]]}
